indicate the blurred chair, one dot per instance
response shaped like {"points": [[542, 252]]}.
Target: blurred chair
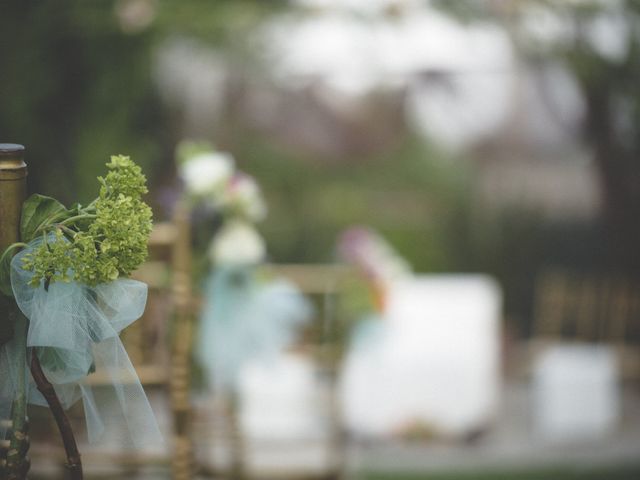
{"points": [[431, 361], [171, 302], [575, 392], [320, 343], [592, 309], [4, 446], [160, 343], [160, 346]]}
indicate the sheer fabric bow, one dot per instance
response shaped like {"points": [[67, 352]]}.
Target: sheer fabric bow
{"points": [[74, 329]]}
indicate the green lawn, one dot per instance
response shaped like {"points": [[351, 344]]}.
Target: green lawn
{"points": [[630, 473]]}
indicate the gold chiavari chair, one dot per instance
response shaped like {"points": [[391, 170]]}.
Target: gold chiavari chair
{"points": [[321, 342], [160, 346], [589, 308]]}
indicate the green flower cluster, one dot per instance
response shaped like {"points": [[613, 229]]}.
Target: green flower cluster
{"points": [[100, 242]]}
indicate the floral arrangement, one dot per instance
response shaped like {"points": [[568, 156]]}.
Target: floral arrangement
{"points": [[212, 182], [375, 258], [244, 315], [68, 279], [93, 244], [371, 253]]}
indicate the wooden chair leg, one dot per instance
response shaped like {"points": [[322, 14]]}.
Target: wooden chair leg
{"points": [[180, 383], [182, 455], [237, 466]]}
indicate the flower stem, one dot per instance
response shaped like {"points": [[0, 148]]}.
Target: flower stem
{"points": [[17, 463], [74, 464], [84, 216], [90, 207], [68, 231]]}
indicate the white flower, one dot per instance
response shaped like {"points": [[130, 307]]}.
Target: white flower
{"points": [[244, 195], [238, 242], [207, 172]]}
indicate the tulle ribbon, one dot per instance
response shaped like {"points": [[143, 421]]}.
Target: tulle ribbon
{"points": [[244, 319], [74, 329]]}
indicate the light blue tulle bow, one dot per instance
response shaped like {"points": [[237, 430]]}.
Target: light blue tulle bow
{"points": [[75, 330], [244, 319]]}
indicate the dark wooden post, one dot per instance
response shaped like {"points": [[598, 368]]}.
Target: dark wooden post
{"points": [[13, 187]]}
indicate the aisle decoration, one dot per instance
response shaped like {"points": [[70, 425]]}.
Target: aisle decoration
{"points": [[377, 261], [244, 315], [69, 279], [212, 182]]}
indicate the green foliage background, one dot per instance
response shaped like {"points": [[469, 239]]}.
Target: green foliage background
{"points": [[75, 88]]}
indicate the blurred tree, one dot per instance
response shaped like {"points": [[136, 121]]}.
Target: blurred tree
{"points": [[611, 88], [405, 191], [75, 88], [76, 84], [599, 42]]}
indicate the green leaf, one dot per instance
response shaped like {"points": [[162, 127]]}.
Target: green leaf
{"points": [[50, 359], [5, 269], [57, 360], [74, 209], [38, 211]]}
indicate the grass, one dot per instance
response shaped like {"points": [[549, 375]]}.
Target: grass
{"points": [[614, 473]]}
